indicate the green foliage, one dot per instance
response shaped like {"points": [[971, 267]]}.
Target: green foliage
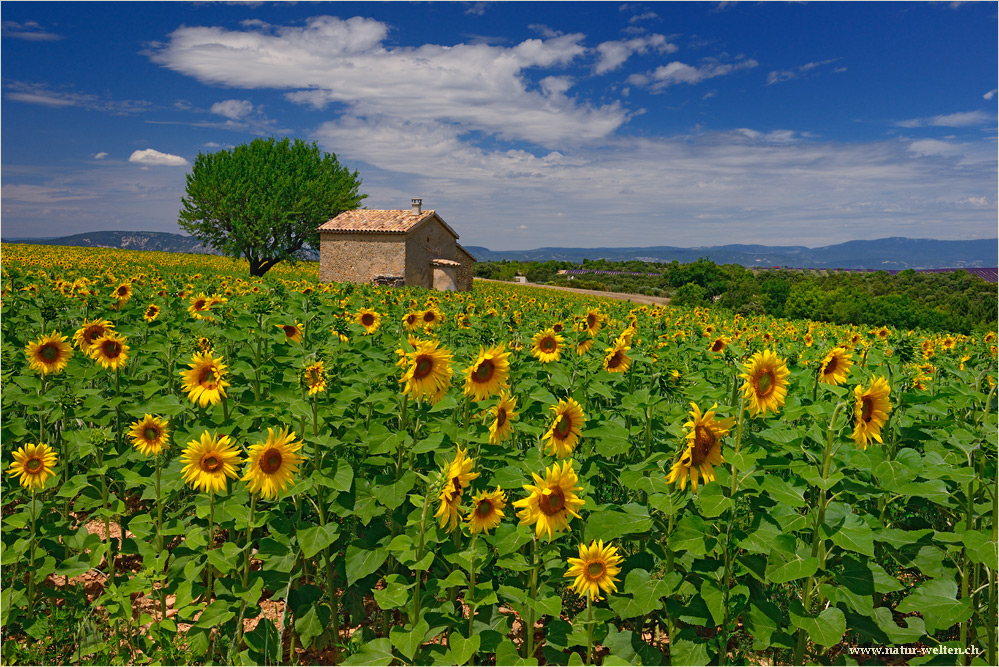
{"points": [[265, 200]]}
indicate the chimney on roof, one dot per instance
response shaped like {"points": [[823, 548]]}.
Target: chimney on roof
{"points": [[417, 205]]}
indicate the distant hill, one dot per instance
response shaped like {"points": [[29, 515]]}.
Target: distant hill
{"points": [[888, 253], [160, 241]]}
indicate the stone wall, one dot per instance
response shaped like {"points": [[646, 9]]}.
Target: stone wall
{"points": [[358, 258], [466, 271], [428, 241]]}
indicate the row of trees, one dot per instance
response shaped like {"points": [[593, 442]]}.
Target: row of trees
{"points": [[958, 301]]}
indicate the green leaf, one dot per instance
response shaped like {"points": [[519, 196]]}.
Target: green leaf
{"points": [[641, 594], [216, 613], [377, 652], [463, 649], [711, 500], [362, 561], [714, 598], [609, 525], [551, 606], [312, 623], [690, 535], [508, 538], [826, 629], [73, 566], [915, 631], [852, 534], [395, 594], [408, 642], [981, 548], [782, 492], [344, 476], [314, 539], [783, 567], [936, 600], [764, 619], [689, 649]]}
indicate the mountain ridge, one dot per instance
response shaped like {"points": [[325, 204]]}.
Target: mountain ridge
{"points": [[895, 252]]}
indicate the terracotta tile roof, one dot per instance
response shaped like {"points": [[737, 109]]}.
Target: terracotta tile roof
{"points": [[444, 262], [365, 220]]}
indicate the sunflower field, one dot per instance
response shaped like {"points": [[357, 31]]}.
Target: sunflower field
{"points": [[204, 468]]}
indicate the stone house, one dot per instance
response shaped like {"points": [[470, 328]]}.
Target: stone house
{"points": [[398, 247]]}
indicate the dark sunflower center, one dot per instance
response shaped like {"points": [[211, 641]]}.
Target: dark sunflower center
{"points": [[704, 440], [615, 360], [112, 349], [718, 346], [429, 316], [591, 320], [867, 410], [93, 332], [211, 463], [484, 508], [33, 465], [424, 365], [200, 304], [151, 433], [557, 328], [595, 570], [290, 331], [765, 384], [547, 345], [270, 462], [49, 352], [484, 371], [207, 378], [367, 319], [831, 366], [500, 416], [122, 291], [410, 319], [552, 501], [563, 425]]}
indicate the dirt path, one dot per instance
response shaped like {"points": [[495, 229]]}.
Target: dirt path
{"points": [[620, 296]]}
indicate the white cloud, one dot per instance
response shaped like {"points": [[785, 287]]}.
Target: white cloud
{"points": [[28, 30], [646, 16], [45, 95], [329, 60], [151, 156], [233, 109], [477, 8], [960, 119], [678, 72], [990, 95], [782, 75], [100, 156], [614, 54]]}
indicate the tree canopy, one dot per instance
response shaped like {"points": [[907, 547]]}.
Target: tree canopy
{"points": [[265, 200]]}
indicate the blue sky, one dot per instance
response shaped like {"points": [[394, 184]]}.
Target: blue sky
{"points": [[524, 124]]}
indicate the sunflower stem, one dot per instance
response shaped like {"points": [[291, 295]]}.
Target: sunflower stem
{"points": [[589, 629], [211, 545], [159, 546], [470, 596], [31, 557], [529, 621], [419, 556]]}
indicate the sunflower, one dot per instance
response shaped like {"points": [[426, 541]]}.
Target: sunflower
{"points": [[271, 465], [209, 461], [204, 382], [149, 435], [457, 477], [703, 448], [33, 464], [369, 319], [552, 500], [617, 360], [487, 511], [49, 354], [293, 332], [596, 568], [563, 435], [592, 321], [766, 382], [152, 312], [431, 317], [123, 293], [871, 408], [719, 344], [411, 320], [200, 305], [205, 344], [835, 366], [315, 377], [429, 372], [546, 346], [808, 340], [110, 350], [503, 414], [489, 374]]}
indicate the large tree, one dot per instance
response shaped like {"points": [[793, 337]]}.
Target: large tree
{"points": [[265, 200]]}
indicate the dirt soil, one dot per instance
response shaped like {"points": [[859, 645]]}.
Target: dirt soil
{"points": [[620, 296]]}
